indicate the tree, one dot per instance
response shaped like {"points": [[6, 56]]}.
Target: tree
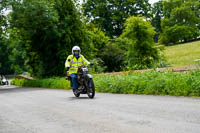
{"points": [[181, 20], [4, 61], [17, 54], [96, 39], [110, 15], [34, 24], [141, 48], [47, 30], [157, 12], [107, 55]]}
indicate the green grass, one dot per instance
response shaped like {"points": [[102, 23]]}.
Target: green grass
{"points": [[150, 83], [58, 83], [183, 54]]}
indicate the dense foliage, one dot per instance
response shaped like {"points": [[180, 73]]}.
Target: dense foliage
{"points": [[4, 52], [36, 36], [110, 15], [157, 15], [181, 21], [46, 31], [141, 48]]}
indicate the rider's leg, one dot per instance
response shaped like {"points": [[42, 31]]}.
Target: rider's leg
{"points": [[74, 81]]}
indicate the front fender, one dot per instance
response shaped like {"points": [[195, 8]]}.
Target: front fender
{"points": [[89, 76]]}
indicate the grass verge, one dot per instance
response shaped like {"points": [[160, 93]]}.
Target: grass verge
{"points": [[56, 82], [183, 54], [150, 83]]}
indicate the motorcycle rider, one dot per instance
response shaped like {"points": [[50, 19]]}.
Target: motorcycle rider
{"points": [[72, 63]]}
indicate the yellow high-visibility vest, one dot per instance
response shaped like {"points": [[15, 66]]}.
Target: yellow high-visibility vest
{"points": [[73, 63]]}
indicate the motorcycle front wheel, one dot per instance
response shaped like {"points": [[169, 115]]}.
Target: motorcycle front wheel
{"points": [[76, 94], [91, 89]]}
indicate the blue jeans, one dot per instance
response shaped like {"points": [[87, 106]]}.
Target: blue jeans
{"points": [[74, 80]]}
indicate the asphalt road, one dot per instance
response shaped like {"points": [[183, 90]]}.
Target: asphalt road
{"points": [[37, 110]]}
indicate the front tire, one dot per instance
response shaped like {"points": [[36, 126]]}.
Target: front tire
{"points": [[76, 94], [91, 89]]}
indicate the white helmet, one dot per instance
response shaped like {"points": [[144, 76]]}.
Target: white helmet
{"points": [[76, 48]]}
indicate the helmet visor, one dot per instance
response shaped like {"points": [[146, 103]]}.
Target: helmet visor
{"points": [[76, 51]]}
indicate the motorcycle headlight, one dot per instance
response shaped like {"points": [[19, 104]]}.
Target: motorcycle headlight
{"points": [[85, 69]]}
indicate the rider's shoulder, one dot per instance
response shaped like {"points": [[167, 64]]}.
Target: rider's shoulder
{"points": [[81, 55], [70, 56]]}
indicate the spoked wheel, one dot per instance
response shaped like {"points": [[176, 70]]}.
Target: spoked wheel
{"points": [[76, 94], [91, 89]]}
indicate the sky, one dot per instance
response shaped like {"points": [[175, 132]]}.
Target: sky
{"points": [[150, 1], [153, 1]]}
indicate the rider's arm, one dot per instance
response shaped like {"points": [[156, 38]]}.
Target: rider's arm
{"points": [[68, 62], [85, 62]]}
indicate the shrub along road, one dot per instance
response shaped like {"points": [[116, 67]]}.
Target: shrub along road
{"points": [[38, 110]]}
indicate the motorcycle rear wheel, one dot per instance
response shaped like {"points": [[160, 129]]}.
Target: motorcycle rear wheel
{"points": [[91, 89]]}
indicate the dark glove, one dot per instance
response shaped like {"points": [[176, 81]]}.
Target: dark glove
{"points": [[67, 69], [91, 63], [67, 73]]}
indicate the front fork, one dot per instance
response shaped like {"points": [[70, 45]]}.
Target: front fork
{"points": [[87, 79]]}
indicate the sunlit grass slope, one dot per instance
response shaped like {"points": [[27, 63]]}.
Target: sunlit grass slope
{"points": [[183, 54]]}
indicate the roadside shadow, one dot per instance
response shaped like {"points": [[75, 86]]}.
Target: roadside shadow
{"points": [[16, 89]]}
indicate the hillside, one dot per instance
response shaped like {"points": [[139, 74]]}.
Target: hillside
{"points": [[183, 54]]}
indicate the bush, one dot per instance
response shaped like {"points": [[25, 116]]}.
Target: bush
{"points": [[141, 49], [59, 83], [113, 58]]}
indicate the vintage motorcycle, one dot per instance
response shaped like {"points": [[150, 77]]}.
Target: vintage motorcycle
{"points": [[85, 83]]}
